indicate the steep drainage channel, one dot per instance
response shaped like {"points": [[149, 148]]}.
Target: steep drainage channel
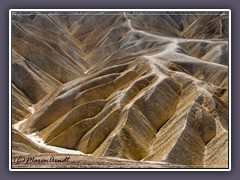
{"points": [[39, 141]]}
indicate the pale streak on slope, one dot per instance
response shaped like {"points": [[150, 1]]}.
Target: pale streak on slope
{"points": [[128, 21], [154, 71], [19, 123], [32, 109], [153, 60], [171, 48], [36, 139], [39, 141], [174, 44]]}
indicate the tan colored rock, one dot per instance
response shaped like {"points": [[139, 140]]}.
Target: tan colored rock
{"points": [[137, 86], [22, 145]]}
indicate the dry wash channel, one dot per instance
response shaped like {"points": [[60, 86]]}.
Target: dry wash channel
{"points": [[142, 86]]}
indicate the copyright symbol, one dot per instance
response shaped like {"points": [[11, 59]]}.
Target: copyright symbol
{"points": [[19, 159]]}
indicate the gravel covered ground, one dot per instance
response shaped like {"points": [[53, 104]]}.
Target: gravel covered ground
{"points": [[78, 161]]}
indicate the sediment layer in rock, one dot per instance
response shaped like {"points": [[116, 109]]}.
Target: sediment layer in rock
{"points": [[133, 85]]}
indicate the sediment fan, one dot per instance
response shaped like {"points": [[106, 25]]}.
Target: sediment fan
{"points": [[148, 86]]}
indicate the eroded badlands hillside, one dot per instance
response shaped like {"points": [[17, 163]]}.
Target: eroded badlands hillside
{"points": [[147, 86]]}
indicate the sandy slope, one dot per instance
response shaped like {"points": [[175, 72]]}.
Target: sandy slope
{"points": [[149, 87]]}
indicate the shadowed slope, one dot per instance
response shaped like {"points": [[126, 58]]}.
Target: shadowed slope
{"points": [[134, 86]]}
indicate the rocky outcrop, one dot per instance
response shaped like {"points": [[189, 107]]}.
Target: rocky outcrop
{"points": [[139, 86], [22, 145]]}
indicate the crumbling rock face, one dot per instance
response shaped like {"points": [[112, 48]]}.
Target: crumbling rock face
{"points": [[133, 85]]}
